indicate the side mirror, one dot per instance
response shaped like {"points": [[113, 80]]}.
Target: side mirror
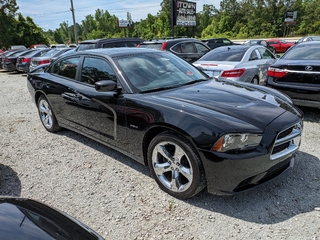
{"points": [[105, 86]]}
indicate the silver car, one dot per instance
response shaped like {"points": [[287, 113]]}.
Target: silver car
{"points": [[239, 63]]}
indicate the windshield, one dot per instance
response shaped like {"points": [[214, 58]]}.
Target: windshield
{"points": [[224, 54], [303, 52], [86, 46], [156, 71]]}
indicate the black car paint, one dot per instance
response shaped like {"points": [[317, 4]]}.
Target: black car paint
{"points": [[22, 218], [202, 113]]}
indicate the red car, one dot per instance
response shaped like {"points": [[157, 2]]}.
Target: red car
{"points": [[280, 45]]}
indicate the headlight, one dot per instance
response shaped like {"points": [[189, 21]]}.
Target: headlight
{"points": [[236, 142]]}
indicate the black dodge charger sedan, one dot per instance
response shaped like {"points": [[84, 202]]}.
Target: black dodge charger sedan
{"points": [[193, 132]]}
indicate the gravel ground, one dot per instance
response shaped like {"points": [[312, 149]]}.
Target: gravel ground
{"points": [[116, 196]]}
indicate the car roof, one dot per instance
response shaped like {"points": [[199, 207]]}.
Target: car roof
{"points": [[170, 40], [113, 52], [241, 46], [108, 40]]}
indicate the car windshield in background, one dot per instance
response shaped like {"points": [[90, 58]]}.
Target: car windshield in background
{"points": [[303, 52], [154, 71], [220, 54]]}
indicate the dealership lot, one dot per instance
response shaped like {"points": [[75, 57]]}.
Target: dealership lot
{"points": [[117, 197]]}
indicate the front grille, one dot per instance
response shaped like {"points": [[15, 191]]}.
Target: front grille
{"points": [[287, 142]]}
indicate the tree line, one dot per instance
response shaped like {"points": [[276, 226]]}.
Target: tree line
{"points": [[233, 19]]}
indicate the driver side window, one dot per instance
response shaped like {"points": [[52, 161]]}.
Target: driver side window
{"points": [[96, 69]]}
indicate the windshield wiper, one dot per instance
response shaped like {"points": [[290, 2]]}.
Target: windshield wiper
{"points": [[195, 81], [159, 89]]}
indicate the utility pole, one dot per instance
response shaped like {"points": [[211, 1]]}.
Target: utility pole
{"points": [[74, 23]]}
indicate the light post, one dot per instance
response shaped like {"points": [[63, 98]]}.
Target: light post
{"points": [[74, 23]]}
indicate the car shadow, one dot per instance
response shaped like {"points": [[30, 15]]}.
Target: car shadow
{"points": [[311, 114], [293, 193], [106, 151], [10, 184]]}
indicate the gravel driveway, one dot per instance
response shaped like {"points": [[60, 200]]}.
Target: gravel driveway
{"points": [[116, 196]]}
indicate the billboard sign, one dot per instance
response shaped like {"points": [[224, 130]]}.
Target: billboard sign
{"points": [[290, 17], [185, 13], [123, 23]]}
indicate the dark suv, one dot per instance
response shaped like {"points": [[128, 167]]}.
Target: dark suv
{"points": [[189, 49], [108, 43], [218, 42]]}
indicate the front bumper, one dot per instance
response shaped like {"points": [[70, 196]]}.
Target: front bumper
{"points": [[232, 173]]}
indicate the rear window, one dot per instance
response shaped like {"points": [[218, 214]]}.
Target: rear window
{"points": [[151, 45], [303, 52], [86, 46], [225, 54], [131, 43], [50, 53]]}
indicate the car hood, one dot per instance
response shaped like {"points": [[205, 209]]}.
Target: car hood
{"points": [[256, 106]]}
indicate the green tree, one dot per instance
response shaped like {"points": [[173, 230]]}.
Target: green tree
{"points": [[8, 9], [28, 33]]}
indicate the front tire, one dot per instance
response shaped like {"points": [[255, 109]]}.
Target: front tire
{"points": [[47, 116], [175, 165]]}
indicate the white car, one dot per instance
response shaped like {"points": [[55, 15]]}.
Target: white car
{"points": [[237, 62]]}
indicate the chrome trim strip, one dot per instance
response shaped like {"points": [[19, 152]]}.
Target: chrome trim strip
{"points": [[291, 139]]}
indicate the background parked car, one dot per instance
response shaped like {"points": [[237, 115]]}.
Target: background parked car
{"points": [[9, 62], [15, 47], [194, 132], [262, 43], [218, 42], [58, 45], [246, 63], [280, 45], [189, 49], [38, 46], [108, 43], [22, 218], [297, 74], [308, 38], [8, 53], [47, 57], [23, 62]]}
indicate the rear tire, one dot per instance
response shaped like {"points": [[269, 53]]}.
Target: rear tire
{"points": [[47, 116], [175, 165], [255, 80]]}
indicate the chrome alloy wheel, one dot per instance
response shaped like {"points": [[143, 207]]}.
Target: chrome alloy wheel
{"points": [[45, 114], [172, 166]]}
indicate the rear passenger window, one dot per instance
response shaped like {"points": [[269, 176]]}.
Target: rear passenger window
{"points": [[67, 67], [265, 53], [96, 69]]}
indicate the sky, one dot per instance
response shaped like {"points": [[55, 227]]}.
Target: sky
{"points": [[48, 14]]}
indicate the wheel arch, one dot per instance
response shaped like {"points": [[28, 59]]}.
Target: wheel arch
{"points": [[156, 130]]}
